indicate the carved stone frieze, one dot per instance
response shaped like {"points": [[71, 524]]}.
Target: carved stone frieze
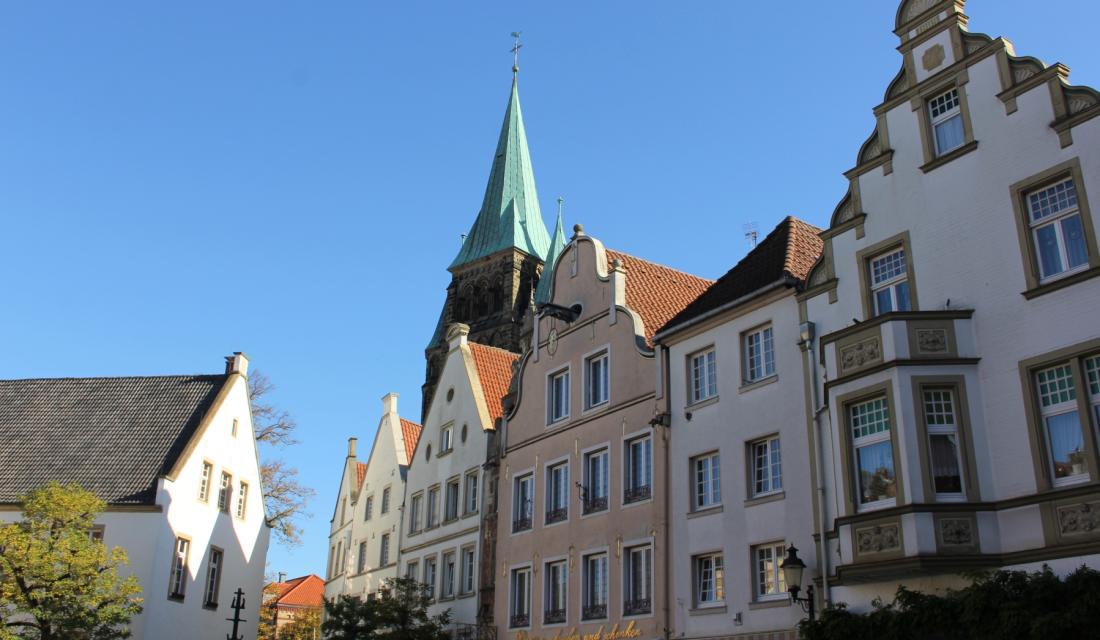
{"points": [[878, 539], [933, 57], [860, 354], [1024, 68], [917, 7], [1079, 519], [932, 340], [957, 532]]}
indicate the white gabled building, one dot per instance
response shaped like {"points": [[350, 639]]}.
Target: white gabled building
{"points": [[175, 459], [444, 496], [366, 523]]}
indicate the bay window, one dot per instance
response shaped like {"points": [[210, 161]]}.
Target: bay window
{"points": [[876, 481]]}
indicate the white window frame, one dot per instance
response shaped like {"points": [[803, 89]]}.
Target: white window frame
{"points": [[1092, 380], [361, 561], [1055, 219], [943, 421], [415, 521], [758, 349], [890, 283], [450, 515], [587, 456], [561, 586], [384, 550], [552, 389], [630, 479], [702, 375], [468, 570], [601, 394], [385, 508], [1055, 409], [869, 440], [630, 580], [206, 475], [709, 580], [369, 507], [769, 582], [242, 499], [942, 118], [706, 481], [177, 577], [431, 511], [225, 488], [523, 500], [446, 439], [519, 604], [213, 583], [557, 488], [766, 465], [470, 492], [447, 577], [431, 571], [412, 570], [587, 600]]}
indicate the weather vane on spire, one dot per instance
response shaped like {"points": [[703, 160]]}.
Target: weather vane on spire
{"points": [[515, 52]]}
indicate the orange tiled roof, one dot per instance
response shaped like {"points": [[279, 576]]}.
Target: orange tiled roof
{"points": [[410, 432], [360, 474], [656, 292], [306, 591], [494, 368]]}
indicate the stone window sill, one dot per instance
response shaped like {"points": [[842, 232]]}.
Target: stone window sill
{"points": [[765, 499], [700, 513], [708, 611], [949, 156], [756, 384], [775, 603], [706, 402], [1061, 283]]}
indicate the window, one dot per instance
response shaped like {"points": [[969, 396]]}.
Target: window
{"points": [[557, 493], [213, 578], [557, 397], [767, 470], [874, 453], [369, 508], [1062, 425], [447, 589], [233, 429], [638, 580], [708, 481], [450, 502], [556, 593], [96, 533], [340, 559], [595, 587], [1057, 229], [1092, 372], [769, 581], [945, 114], [331, 561], [433, 507], [523, 497], [385, 501], [709, 580], [704, 377], [890, 282], [178, 580], [204, 481], [596, 381], [638, 470], [595, 488], [429, 577], [469, 570], [412, 569], [223, 492], [941, 419], [520, 607], [384, 550], [414, 512], [759, 349], [446, 442], [471, 492], [242, 500], [343, 511], [361, 563]]}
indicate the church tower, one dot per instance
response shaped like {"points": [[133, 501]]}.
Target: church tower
{"points": [[501, 257]]}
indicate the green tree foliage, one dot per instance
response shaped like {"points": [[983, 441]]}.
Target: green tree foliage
{"points": [[400, 612], [56, 582], [306, 625], [1005, 605]]}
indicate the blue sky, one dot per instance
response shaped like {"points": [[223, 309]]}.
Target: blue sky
{"points": [[182, 180]]}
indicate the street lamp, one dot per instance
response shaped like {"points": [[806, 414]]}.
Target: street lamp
{"points": [[793, 567]]}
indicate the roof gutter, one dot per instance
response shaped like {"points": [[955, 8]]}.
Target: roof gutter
{"points": [[785, 281]]}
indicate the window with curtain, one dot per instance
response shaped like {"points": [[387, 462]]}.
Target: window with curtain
{"points": [[945, 112], [1057, 230], [874, 453], [759, 352], [638, 471], [707, 481], [595, 587], [1062, 425], [944, 451]]}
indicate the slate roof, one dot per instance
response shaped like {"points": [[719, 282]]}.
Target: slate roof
{"points": [[113, 436], [494, 369], [306, 591], [410, 432], [656, 292], [789, 251]]}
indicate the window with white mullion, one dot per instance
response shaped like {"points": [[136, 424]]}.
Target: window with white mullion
{"points": [[759, 353], [556, 593], [890, 282], [595, 587], [596, 480], [709, 580], [638, 581], [944, 449], [1057, 229], [557, 493], [704, 376], [521, 598], [596, 380], [523, 501], [557, 396], [708, 486], [945, 113], [767, 467], [638, 469], [874, 454], [769, 579], [1062, 425], [1092, 372]]}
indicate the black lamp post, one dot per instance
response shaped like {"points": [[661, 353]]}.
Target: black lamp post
{"points": [[793, 568]]}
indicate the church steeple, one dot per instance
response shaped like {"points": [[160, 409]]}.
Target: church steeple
{"points": [[557, 245], [510, 216]]}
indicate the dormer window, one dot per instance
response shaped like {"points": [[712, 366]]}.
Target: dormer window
{"points": [[945, 113]]}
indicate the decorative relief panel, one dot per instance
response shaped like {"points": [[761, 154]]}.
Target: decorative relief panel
{"points": [[932, 340], [861, 354], [933, 57], [878, 539], [1079, 99], [1079, 519], [917, 7]]}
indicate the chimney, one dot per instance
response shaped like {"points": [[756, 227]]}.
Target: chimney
{"points": [[351, 446], [236, 363], [456, 335], [618, 288], [389, 403], [282, 576]]}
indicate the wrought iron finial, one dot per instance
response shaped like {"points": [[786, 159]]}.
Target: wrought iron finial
{"points": [[561, 201], [515, 51]]}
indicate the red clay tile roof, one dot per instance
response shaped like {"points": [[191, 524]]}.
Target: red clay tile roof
{"points": [[306, 591], [360, 473], [789, 251], [494, 368], [656, 292], [410, 432]]}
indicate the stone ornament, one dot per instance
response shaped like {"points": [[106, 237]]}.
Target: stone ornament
{"points": [[932, 340], [878, 538], [860, 354], [552, 342], [1079, 519], [933, 57], [957, 532]]}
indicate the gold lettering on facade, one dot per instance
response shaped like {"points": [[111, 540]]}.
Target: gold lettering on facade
{"points": [[617, 632]]}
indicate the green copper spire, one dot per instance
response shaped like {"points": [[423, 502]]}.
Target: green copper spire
{"points": [[510, 215], [557, 245]]}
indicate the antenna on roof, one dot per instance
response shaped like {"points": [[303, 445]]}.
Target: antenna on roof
{"points": [[750, 234]]}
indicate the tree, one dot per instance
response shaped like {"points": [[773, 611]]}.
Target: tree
{"points": [[399, 612], [266, 630], [1005, 605], [56, 581], [285, 497], [306, 625]]}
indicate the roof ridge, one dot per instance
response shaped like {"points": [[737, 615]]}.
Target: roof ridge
{"points": [[300, 581], [657, 264], [152, 377], [489, 346], [412, 422]]}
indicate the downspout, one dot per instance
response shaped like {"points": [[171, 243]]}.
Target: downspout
{"points": [[808, 338], [665, 421]]}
